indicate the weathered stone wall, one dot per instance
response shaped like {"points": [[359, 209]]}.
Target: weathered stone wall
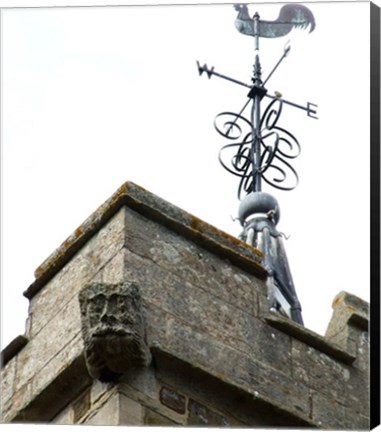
{"points": [[54, 322], [218, 356], [165, 395]]}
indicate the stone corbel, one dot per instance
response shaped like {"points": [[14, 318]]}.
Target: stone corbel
{"points": [[113, 329]]}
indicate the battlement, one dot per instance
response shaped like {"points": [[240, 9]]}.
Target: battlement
{"points": [[148, 315]]}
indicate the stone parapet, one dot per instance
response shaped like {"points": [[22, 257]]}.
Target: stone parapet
{"points": [[154, 208], [187, 303]]}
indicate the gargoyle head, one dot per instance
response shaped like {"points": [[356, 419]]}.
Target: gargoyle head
{"points": [[113, 329]]}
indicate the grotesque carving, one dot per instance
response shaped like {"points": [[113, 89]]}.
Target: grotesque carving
{"points": [[113, 329]]}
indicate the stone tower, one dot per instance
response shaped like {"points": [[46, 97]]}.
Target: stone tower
{"points": [[147, 315]]}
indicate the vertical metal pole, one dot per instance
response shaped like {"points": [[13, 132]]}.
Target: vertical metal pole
{"points": [[255, 112]]}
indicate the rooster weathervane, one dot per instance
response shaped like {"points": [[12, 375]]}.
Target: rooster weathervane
{"points": [[260, 149]]}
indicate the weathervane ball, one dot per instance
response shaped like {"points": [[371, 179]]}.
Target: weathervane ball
{"points": [[290, 16], [259, 203]]}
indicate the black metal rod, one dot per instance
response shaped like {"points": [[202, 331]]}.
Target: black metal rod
{"points": [[286, 51], [305, 108], [256, 112], [232, 80], [237, 116], [211, 72]]}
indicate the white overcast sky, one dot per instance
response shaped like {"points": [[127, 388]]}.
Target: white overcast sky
{"points": [[94, 96]]}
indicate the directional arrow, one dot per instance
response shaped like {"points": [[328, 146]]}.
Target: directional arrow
{"points": [[210, 72]]}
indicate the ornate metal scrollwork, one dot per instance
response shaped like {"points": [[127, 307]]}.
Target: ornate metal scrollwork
{"points": [[277, 147]]}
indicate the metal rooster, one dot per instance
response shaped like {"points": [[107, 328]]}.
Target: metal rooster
{"points": [[290, 16]]}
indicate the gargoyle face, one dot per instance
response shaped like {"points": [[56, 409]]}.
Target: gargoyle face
{"points": [[113, 328], [111, 313]]}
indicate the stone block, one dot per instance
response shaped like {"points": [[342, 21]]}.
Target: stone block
{"points": [[363, 348], [173, 399], [147, 394], [99, 390], [131, 413], [241, 369], [114, 270], [81, 269], [153, 418], [223, 323], [345, 384], [65, 417], [114, 408], [30, 390], [20, 399], [7, 380], [49, 342], [178, 255], [200, 415], [309, 337], [262, 304], [44, 405], [140, 384], [81, 406], [239, 407], [57, 364], [357, 391], [319, 371], [6, 409], [203, 308], [329, 413], [106, 414], [280, 389], [269, 346]]}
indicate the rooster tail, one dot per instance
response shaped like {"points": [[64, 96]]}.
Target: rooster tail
{"points": [[290, 16], [299, 15]]}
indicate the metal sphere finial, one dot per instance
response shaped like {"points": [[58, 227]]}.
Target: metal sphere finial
{"points": [[259, 203]]}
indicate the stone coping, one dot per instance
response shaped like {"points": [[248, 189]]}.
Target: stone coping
{"points": [[354, 307], [13, 348], [161, 211], [309, 337]]}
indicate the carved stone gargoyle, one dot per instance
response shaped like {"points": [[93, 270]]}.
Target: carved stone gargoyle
{"points": [[113, 329]]}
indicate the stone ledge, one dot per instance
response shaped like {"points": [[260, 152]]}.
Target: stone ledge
{"points": [[309, 337], [161, 211], [359, 321], [246, 371], [251, 402], [13, 348], [53, 398]]}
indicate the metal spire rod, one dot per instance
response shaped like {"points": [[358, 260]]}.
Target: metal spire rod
{"points": [[256, 112]]}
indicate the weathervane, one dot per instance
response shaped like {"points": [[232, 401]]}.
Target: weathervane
{"points": [[260, 149]]}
